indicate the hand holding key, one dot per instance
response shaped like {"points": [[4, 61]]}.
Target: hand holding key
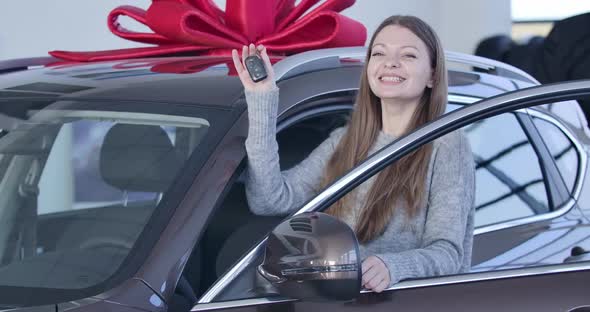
{"points": [[255, 71], [255, 68]]}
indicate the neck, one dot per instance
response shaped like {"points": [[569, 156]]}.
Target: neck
{"points": [[396, 116]]}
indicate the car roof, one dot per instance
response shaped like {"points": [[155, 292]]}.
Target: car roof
{"points": [[172, 80], [204, 80]]}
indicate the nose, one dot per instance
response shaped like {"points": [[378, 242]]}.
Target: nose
{"points": [[391, 63]]}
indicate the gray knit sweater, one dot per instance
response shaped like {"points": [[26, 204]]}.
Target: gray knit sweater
{"points": [[436, 242]]}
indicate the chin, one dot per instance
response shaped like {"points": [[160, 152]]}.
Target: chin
{"points": [[388, 96]]}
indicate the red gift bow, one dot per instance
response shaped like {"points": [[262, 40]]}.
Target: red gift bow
{"points": [[200, 27]]}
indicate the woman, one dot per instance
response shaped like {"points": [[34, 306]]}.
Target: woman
{"points": [[415, 218]]}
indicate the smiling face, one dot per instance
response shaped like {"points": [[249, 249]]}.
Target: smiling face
{"points": [[399, 65]]}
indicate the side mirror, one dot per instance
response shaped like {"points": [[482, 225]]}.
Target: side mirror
{"points": [[313, 256]]}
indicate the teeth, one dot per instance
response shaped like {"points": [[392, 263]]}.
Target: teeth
{"points": [[393, 79]]}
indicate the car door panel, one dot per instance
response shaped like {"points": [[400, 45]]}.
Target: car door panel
{"points": [[469, 291], [510, 294], [530, 245], [487, 246]]}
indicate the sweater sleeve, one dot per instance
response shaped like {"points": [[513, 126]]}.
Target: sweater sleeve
{"points": [[268, 190], [450, 202]]}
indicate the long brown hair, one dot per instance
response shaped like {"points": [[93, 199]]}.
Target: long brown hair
{"points": [[404, 180]]}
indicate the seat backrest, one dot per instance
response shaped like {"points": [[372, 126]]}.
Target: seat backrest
{"points": [[135, 158], [139, 158]]}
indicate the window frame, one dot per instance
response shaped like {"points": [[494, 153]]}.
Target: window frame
{"points": [[582, 156], [517, 119], [555, 181], [547, 168]]}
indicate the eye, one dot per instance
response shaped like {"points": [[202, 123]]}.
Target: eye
{"points": [[377, 53], [410, 55]]}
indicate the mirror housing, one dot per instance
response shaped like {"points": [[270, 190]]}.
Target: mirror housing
{"points": [[313, 256]]}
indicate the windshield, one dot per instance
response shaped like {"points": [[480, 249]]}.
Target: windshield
{"points": [[79, 182]]}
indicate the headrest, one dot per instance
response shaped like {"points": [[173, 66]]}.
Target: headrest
{"points": [[139, 158]]}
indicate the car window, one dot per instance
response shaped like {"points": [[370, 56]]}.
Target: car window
{"points": [[562, 150], [85, 170], [77, 188], [510, 182]]}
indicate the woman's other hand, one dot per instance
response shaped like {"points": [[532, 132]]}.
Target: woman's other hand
{"points": [[264, 85], [375, 274]]}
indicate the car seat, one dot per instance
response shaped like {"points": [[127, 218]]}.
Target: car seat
{"points": [[133, 158]]}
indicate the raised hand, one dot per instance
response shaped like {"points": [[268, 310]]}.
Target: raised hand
{"points": [[264, 85]]}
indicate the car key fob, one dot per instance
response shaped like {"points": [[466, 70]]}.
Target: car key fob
{"points": [[255, 68]]}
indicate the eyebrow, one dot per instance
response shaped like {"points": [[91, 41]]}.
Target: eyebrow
{"points": [[406, 46], [410, 46]]}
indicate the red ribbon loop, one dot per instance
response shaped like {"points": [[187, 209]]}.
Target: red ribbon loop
{"points": [[182, 23], [325, 29], [207, 7], [140, 16], [240, 17], [199, 26]]}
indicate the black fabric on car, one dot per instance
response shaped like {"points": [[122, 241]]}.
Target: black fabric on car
{"points": [[564, 55], [561, 56], [495, 47], [139, 158]]}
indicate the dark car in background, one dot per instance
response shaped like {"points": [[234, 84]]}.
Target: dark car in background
{"points": [[121, 185]]}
